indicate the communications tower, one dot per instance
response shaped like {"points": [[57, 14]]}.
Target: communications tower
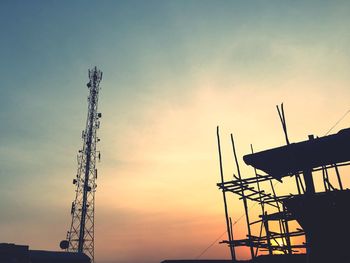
{"points": [[80, 237]]}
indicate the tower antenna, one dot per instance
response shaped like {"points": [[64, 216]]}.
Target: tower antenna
{"points": [[80, 237]]}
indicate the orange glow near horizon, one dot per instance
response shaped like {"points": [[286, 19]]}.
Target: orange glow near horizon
{"points": [[172, 72]]}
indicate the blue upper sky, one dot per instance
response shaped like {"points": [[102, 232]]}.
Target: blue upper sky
{"points": [[173, 70]]}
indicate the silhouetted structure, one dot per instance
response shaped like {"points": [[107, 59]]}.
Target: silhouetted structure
{"points": [[260, 259], [319, 217], [80, 237], [21, 254]]}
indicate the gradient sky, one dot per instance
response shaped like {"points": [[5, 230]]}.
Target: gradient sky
{"points": [[173, 70]]}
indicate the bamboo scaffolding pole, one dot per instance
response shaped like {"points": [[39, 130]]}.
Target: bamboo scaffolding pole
{"points": [[243, 197], [229, 230]]}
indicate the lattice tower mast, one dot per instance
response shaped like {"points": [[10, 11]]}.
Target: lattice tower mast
{"points": [[81, 234]]}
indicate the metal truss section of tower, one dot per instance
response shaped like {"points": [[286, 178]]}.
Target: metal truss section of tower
{"points": [[80, 237]]}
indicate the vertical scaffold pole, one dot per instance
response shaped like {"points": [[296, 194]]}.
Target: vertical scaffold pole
{"points": [[229, 229], [244, 199]]}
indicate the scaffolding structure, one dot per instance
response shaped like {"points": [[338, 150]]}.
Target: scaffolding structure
{"points": [[277, 228], [80, 237]]}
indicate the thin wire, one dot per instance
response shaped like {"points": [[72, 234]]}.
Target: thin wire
{"points": [[212, 244], [234, 223], [346, 113]]}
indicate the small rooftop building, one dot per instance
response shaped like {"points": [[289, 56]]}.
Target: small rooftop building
{"points": [[22, 254]]}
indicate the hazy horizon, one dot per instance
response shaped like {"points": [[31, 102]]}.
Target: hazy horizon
{"points": [[172, 72]]}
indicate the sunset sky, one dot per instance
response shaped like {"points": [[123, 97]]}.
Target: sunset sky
{"points": [[172, 72]]}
